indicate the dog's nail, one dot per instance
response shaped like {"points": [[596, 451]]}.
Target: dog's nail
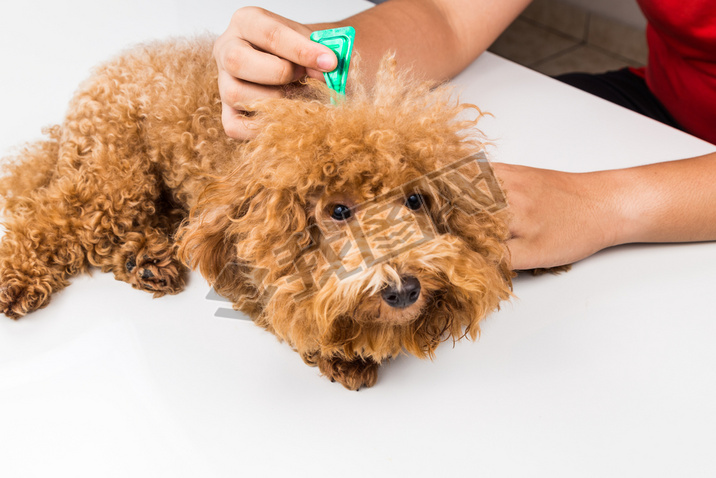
{"points": [[131, 264], [147, 274]]}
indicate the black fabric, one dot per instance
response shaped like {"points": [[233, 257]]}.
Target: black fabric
{"points": [[623, 88]]}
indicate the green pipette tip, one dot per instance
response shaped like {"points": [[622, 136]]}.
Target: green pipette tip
{"points": [[340, 40]]}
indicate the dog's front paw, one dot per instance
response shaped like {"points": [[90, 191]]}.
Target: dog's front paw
{"points": [[18, 299], [352, 374], [159, 276]]}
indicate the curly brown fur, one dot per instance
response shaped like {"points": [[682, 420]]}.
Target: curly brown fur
{"points": [[142, 148]]}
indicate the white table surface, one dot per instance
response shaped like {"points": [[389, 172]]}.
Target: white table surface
{"points": [[608, 370]]}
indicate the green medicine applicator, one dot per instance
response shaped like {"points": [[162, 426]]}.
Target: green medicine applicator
{"points": [[340, 40]]}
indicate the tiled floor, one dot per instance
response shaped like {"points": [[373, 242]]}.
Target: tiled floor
{"points": [[554, 37]]}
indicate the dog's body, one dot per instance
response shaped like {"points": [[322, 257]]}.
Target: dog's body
{"points": [[278, 225]]}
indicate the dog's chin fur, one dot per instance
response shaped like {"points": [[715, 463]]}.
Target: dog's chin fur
{"points": [[143, 148], [347, 318]]}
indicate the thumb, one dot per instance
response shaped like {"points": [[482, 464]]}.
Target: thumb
{"points": [[327, 61]]}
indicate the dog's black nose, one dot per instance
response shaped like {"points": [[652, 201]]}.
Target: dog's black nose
{"points": [[407, 295]]}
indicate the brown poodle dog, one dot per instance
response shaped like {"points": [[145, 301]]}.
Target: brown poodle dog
{"points": [[353, 231]]}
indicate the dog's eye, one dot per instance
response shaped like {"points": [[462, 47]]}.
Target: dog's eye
{"points": [[341, 212], [414, 201]]}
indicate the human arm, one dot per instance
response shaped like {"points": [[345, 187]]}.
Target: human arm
{"points": [[558, 218], [260, 52]]}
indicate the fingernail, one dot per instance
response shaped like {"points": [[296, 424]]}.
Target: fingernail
{"points": [[326, 62]]}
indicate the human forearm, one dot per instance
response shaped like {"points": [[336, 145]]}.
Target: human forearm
{"points": [[667, 202], [558, 218], [437, 38]]}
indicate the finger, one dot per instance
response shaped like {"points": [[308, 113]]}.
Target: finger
{"points": [[240, 95], [315, 74], [237, 124], [240, 59], [284, 38], [521, 258]]}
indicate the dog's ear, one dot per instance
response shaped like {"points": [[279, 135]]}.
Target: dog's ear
{"points": [[474, 212], [203, 240], [483, 232], [239, 237], [467, 214], [271, 229]]}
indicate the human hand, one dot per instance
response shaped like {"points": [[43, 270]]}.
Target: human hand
{"points": [[258, 54], [557, 218]]}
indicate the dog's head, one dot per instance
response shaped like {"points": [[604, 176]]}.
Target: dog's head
{"points": [[364, 228]]}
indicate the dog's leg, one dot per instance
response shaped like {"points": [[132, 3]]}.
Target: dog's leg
{"points": [[144, 253], [128, 215], [148, 262], [40, 249], [352, 374], [38, 254]]}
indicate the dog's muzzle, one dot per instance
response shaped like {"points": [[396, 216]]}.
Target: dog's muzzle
{"points": [[405, 295]]}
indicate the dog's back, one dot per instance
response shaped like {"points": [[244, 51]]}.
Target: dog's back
{"points": [[141, 139], [30, 169], [155, 103]]}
